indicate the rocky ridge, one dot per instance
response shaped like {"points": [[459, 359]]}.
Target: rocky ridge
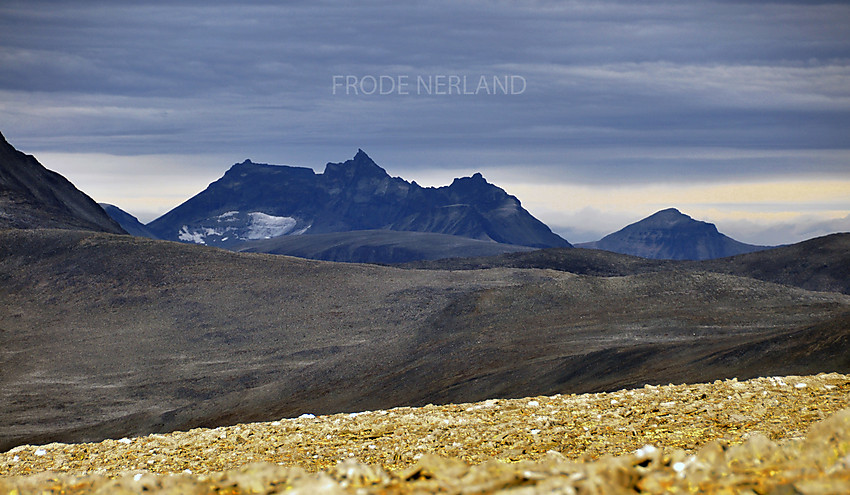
{"points": [[255, 201], [33, 197], [766, 435]]}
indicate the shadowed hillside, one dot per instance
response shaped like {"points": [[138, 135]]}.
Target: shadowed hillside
{"points": [[33, 197], [107, 335], [820, 264], [378, 246], [580, 261], [127, 221]]}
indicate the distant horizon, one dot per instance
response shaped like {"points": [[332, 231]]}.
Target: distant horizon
{"points": [[574, 240], [573, 234], [594, 114]]}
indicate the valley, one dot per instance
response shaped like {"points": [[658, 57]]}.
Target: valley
{"points": [[110, 335], [107, 335]]}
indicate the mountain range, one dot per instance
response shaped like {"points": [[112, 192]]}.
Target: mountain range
{"points": [[257, 201], [108, 335], [356, 212]]}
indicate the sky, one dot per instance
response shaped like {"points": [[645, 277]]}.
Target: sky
{"points": [[595, 114]]}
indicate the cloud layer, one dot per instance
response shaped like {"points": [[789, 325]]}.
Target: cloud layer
{"points": [[617, 93]]}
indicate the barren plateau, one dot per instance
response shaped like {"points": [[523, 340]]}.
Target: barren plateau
{"points": [[106, 336]]}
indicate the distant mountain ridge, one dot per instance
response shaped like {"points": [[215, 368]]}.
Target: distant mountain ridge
{"points": [[108, 336], [670, 234], [260, 201], [32, 196], [127, 221], [378, 246]]}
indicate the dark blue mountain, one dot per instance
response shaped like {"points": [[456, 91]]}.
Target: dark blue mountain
{"points": [[257, 201], [127, 221], [669, 234]]}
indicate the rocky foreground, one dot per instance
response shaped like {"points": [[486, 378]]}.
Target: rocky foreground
{"points": [[768, 435]]}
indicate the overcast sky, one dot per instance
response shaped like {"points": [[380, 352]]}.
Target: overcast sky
{"points": [[734, 112]]}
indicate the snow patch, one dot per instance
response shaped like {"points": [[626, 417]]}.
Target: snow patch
{"points": [[265, 226], [241, 226], [227, 215], [301, 231], [197, 236], [185, 235]]}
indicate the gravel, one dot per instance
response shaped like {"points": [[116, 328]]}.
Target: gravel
{"points": [[767, 435]]}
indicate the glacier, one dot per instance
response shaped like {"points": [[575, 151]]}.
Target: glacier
{"points": [[265, 226], [234, 224]]}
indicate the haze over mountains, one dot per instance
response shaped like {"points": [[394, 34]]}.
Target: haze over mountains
{"points": [[356, 212], [105, 335]]}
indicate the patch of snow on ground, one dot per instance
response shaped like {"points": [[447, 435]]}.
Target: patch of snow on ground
{"points": [[185, 235], [301, 231], [227, 215], [264, 226], [196, 236]]}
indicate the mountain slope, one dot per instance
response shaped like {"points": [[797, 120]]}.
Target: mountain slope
{"points": [[580, 261], [127, 221], [819, 264], [256, 201], [378, 246], [106, 335], [669, 234], [33, 197]]}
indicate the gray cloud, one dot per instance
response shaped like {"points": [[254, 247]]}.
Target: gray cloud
{"points": [[617, 92]]}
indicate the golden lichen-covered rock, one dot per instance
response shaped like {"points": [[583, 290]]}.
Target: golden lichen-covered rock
{"points": [[763, 436]]}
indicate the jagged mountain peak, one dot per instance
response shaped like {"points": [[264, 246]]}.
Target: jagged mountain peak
{"points": [[361, 166], [476, 179], [353, 195], [361, 155], [482, 191]]}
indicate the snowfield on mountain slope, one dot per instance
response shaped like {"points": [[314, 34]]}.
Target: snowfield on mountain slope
{"points": [[264, 226], [232, 225]]}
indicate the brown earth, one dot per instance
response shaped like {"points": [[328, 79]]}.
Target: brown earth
{"points": [[105, 336], [766, 435]]}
